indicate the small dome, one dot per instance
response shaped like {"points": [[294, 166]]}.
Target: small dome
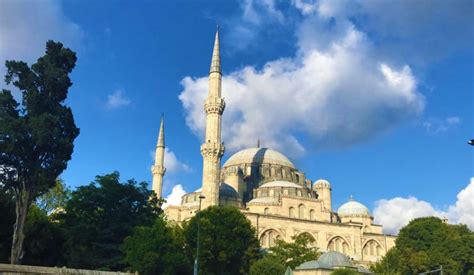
{"points": [[321, 183], [334, 259], [353, 208], [280, 183], [258, 156]]}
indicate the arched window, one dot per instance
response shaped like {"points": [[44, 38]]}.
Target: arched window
{"points": [[266, 211], [372, 248], [301, 209], [292, 212], [312, 215], [268, 238], [338, 244]]}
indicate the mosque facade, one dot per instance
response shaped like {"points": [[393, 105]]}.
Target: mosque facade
{"points": [[271, 192]]}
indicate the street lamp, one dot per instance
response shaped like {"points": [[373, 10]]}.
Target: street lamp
{"points": [[196, 261]]}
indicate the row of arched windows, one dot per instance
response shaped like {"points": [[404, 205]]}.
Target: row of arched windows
{"points": [[339, 244], [301, 213]]}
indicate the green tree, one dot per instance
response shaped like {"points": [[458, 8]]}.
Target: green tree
{"points": [[285, 254], [7, 210], [425, 244], [157, 249], [345, 271], [99, 216], [43, 239], [228, 243], [55, 199], [36, 136], [267, 266]]}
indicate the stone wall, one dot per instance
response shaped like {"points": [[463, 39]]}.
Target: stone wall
{"points": [[7, 269]]}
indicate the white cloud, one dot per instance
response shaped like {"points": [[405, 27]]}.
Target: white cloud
{"points": [[172, 163], [25, 26], [117, 99], [337, 96], [435, 125], [395, 213], [174, 198]]}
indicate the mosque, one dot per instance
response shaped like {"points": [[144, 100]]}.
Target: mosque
{"points": [[271, 192]]}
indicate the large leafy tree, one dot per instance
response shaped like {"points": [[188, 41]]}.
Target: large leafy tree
{"points": [[286, 254], [228, 243], [426, 244], [99, 216], [157, 249], [36, 136]]}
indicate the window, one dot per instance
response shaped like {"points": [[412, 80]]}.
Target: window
{"points": [[292, 212], [312, 215], [301, 209], [338, 244], [266, 211], [268, 238], [372, 248]]}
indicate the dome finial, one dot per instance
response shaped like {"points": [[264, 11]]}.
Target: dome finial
{"points": [[351, 198], [258, 143]]}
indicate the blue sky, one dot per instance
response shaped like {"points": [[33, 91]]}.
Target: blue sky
{"points": [[376, 97]]}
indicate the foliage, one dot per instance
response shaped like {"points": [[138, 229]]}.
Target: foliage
{"points": [[228, 243], [100, 215], [7, 210], [55, 199], [36, 136], [425, 244], [157, 249], [285, 254], [295, 253], [44, 239], [345, 271], [267, 266]]}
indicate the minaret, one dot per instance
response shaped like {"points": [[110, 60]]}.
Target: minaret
{"points": [[212, 149], [158, 170]]}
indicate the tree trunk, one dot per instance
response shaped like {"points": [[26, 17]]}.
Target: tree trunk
{"points": [[22, 204]]}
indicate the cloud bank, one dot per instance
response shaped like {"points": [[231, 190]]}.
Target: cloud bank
{"points": [[395, 213], [25, 26], [334, 94]]}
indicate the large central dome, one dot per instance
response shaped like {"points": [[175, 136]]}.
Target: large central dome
{"points": [[258, 156]]}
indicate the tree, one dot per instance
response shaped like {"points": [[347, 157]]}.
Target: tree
{"points": [[345, 271], [228, 243], [99, 216], [43, 239], [157, 249], [287, 254], [36, 136], [425, 244], [7, 210], [55, 199], [267, 266]]}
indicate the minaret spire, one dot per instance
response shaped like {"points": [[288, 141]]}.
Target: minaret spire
{"points": [[212, 149], [158, 170], [216, 56]]}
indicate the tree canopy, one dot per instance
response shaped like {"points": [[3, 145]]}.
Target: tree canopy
{"points": [[100, 215], [36, 135], [285, 254], [157, 249], [228, 242], [426, 244]]}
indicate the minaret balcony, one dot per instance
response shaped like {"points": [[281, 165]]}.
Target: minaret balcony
{"points": [[212, 150], [158, 169], [214, 106]]}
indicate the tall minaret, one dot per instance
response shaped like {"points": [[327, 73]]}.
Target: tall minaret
{"points": [[158, 170], [212, 149]]}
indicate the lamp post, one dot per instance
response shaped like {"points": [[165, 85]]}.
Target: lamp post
{"points": [[196, 261]]}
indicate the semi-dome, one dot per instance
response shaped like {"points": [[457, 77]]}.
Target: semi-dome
{"points": [[258, 156], [353, 208]]}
